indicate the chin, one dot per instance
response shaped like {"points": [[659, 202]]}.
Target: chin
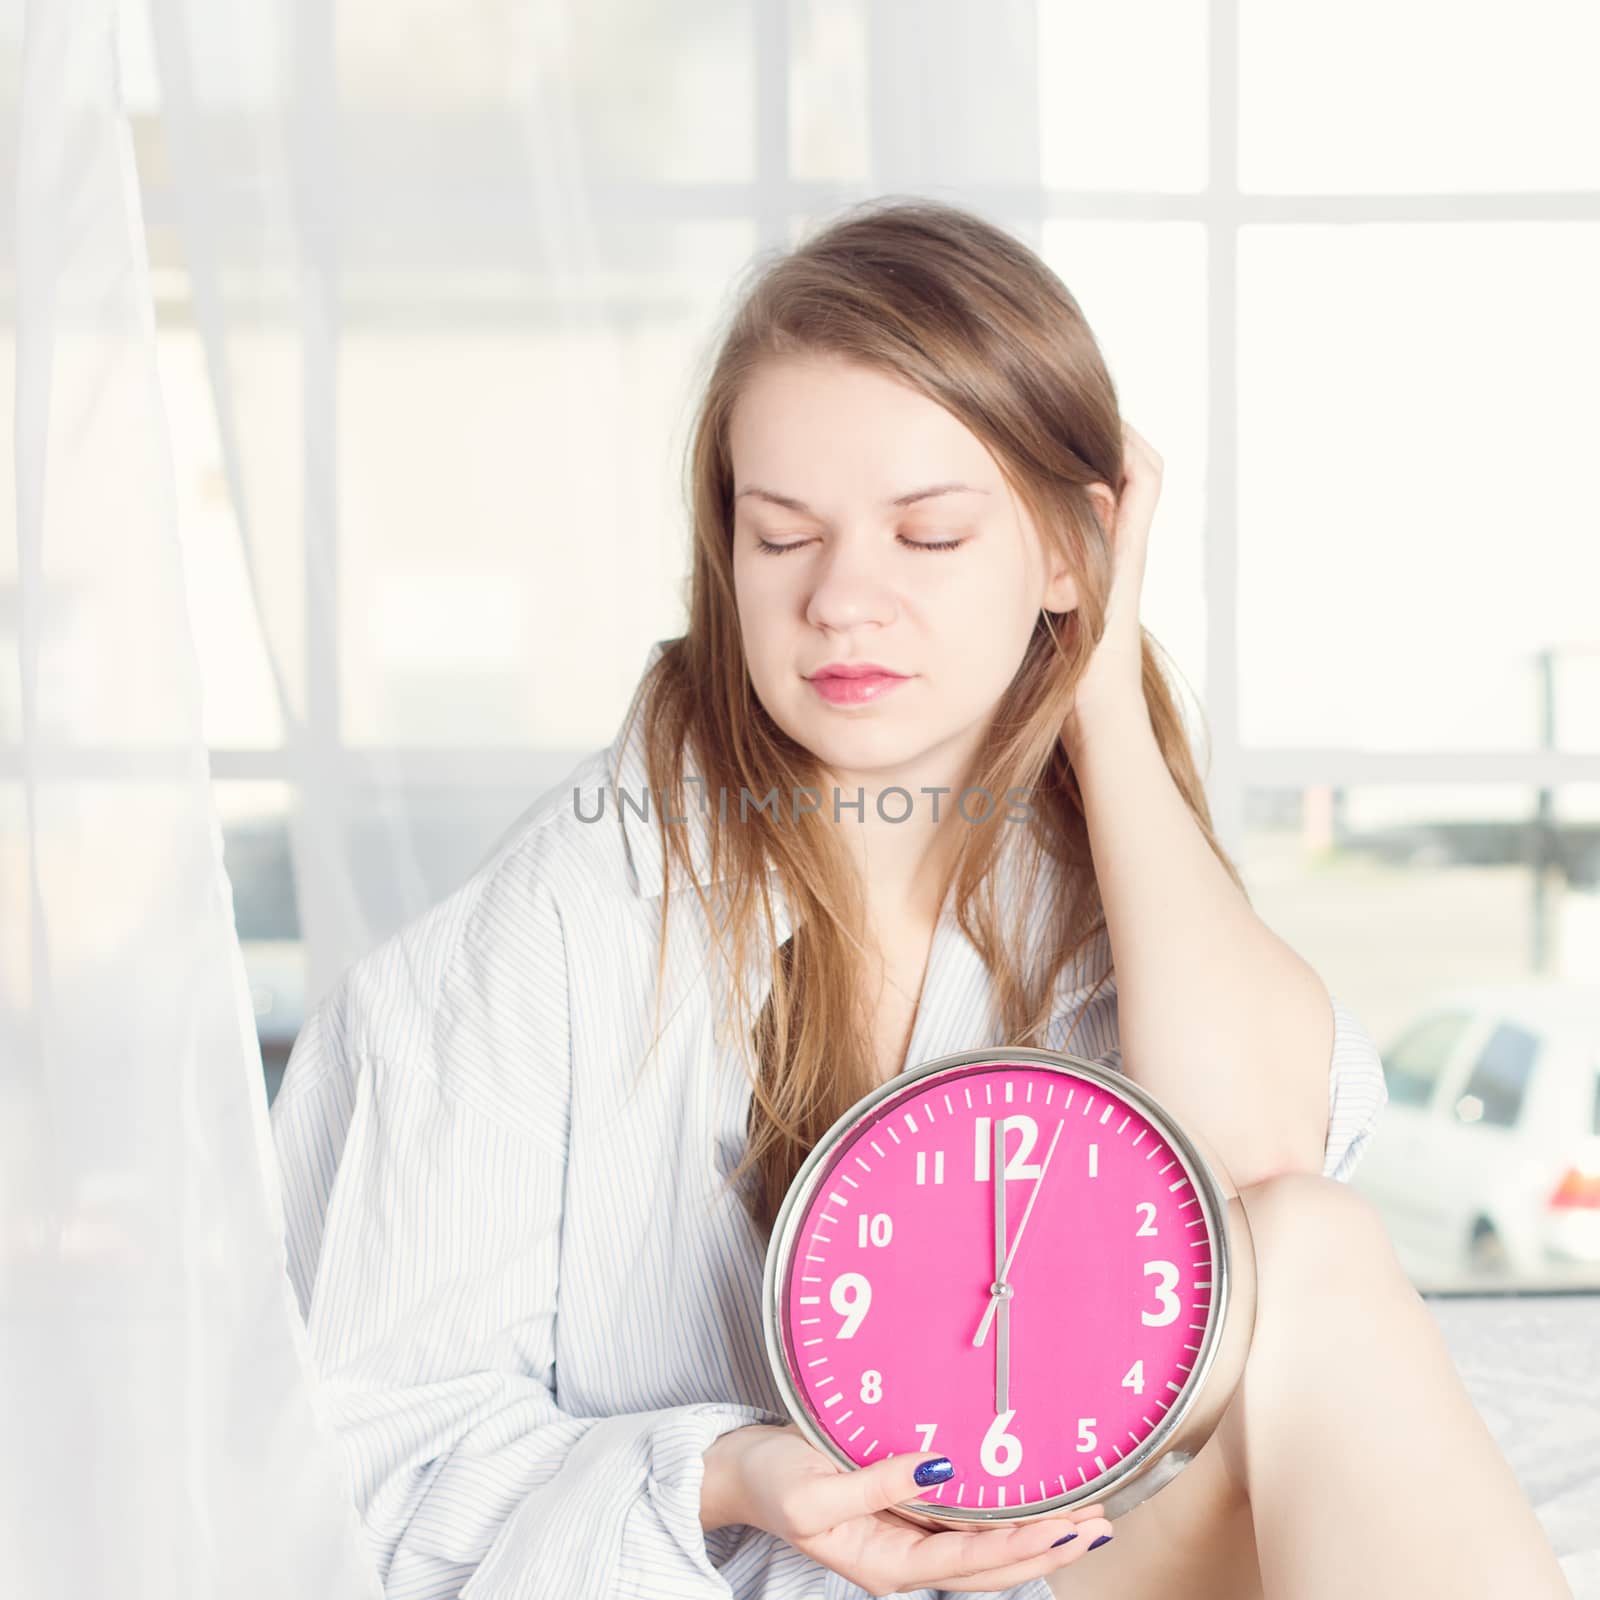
{"points": [[863, 751]]}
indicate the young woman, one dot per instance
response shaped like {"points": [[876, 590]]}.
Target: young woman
{"points": [[533, 1145]]}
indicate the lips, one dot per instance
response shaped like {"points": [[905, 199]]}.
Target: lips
{"points": [[855, 683], [855, 669]]}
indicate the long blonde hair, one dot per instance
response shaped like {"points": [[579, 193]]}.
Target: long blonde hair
{"points": [[943, 300]]}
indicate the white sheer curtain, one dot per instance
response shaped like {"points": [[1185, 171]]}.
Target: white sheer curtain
{"points": [[162, 1437], [353, 349]]}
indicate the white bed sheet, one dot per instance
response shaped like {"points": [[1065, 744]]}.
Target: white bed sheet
{"points": [[1532, 1366]]}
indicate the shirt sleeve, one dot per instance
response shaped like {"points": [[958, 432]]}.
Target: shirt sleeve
{"points": [[421, 1133], [1357, 1094]]}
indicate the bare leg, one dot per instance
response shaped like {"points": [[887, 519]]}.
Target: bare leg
{"points": [[1367, 1467], [1350, 1462]]}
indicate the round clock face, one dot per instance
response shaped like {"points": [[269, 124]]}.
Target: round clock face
{"points": [[894, 1335]]}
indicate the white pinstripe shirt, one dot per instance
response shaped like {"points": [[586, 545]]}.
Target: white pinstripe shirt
{"points": [[530, 1309]]}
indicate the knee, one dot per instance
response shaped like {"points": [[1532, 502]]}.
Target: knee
{"points": [[1309, 1232]]}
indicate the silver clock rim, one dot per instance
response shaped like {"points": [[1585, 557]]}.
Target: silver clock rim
{"points": [[1213, 1204]]}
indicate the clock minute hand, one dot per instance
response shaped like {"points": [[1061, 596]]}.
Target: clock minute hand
{"points": [[1000, 1290], [1027, 1211]]}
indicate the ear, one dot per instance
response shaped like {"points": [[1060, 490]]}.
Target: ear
{"points": [[1061, 591], [1105, 502]]}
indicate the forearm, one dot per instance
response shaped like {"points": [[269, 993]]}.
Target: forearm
{"points": [[1218, 1018]]}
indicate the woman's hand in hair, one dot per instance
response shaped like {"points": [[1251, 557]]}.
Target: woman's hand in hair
{"points": [[841, 1518], [1114, 676]]}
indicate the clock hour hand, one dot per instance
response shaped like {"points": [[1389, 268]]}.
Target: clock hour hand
{"points": [[1027, 1211]]}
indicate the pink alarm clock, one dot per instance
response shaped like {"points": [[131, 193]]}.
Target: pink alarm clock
{"points": [[1014, 1258]]}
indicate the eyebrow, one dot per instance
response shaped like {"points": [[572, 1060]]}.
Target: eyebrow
{"points": [[791, 504]]}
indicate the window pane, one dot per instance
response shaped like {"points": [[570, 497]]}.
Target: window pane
{"points": [[1420, 909], [1417, 413], [512, 496], [829, 136], [1430, 95], [658, 92], [255, 852], [241, 706], [1123, 95], [1499, 1080], [1412, 1067], [1142, 287]]}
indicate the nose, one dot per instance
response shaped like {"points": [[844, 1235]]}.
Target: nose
{"points": [[851, 586]]}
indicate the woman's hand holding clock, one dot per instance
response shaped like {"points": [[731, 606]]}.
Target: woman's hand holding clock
{"points": [[772, 1478]]}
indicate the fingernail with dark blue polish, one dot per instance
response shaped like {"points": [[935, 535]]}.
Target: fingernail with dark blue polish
{"points": [[1105, 1538], [1063, 1539], [934, 1471]]}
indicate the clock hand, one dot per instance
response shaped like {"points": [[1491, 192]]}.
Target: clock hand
{"points": [[1027, 1211], [1000, 1290]]}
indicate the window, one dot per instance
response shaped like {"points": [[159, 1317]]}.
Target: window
{"points": [[1495, 1090], [1412, 1068], [1311, 317]]}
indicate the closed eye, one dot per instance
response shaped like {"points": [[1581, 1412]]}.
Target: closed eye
{"points": [[914, 544]]}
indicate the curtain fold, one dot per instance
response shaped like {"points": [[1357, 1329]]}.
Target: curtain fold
{"points": [[163, 1437]]}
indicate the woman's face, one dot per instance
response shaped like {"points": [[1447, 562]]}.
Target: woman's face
{"points": [[858, 575]]}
